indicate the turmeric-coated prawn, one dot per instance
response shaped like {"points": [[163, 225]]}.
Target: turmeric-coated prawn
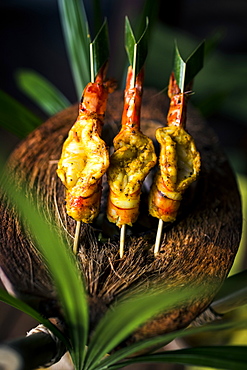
{"points": [[132, 159], [85, 157], [179, 160]]}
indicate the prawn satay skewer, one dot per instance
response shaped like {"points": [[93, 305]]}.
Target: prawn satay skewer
{"points": [[131, 161], [85, 157], [97, 201], [179, 162]]}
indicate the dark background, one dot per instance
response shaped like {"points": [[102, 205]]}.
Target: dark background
{"points": [[31, 37]]}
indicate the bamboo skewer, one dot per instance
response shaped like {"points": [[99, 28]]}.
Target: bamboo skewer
{"points": [[78, 223], [123, 227], [122, 240], [168, 183], [158, 237], [133, 158], [124, 175], [76, 237], [173, 177], [83, 182], [175, 118]]}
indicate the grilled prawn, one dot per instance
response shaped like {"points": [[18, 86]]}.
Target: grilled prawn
{"points": [[179, 161], [132, 159], [85, 157]]}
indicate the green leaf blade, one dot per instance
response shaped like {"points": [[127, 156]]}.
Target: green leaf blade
{"points": [[137, 50], [120, 322], [218, 357], [130, 41], [99, 50], [42, 92], [194, 63], [150, 10], [185, 71], [62, 266], [15, 118], [113, 361], [179, 68], [232, 294], [75, 28]]}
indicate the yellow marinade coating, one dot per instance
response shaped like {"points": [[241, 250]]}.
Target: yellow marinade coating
{"points": [[85, 157]]}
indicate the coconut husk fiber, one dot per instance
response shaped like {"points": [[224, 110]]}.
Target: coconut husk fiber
{"points": [[198, 249]]}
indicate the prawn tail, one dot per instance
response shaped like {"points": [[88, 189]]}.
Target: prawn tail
{"points": [[132, 100], [178, 104]]}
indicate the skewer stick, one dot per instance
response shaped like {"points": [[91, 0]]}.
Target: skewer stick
{"points": [[123, 227], [181, 78], [78, 223], [137, 52], [76, 238], [158, 237], [122, 240]]}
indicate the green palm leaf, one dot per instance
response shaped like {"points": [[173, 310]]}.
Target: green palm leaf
{"points": [[15, 118], [218, 357], [119, 322], [99, 50], [158, 342], [42, 92], [62, 266], [136, 49], [185, 71], [77, 38]]}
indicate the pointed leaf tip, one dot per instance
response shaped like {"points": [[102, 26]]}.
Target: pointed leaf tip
{"points": [[136, 49], [99, 50], [75, 28], [185, 71]]}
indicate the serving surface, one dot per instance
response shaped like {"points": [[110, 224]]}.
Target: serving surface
{"points": [[199, 248]]}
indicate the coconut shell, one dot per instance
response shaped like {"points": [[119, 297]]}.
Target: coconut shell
{"points": [[197, 249]]}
